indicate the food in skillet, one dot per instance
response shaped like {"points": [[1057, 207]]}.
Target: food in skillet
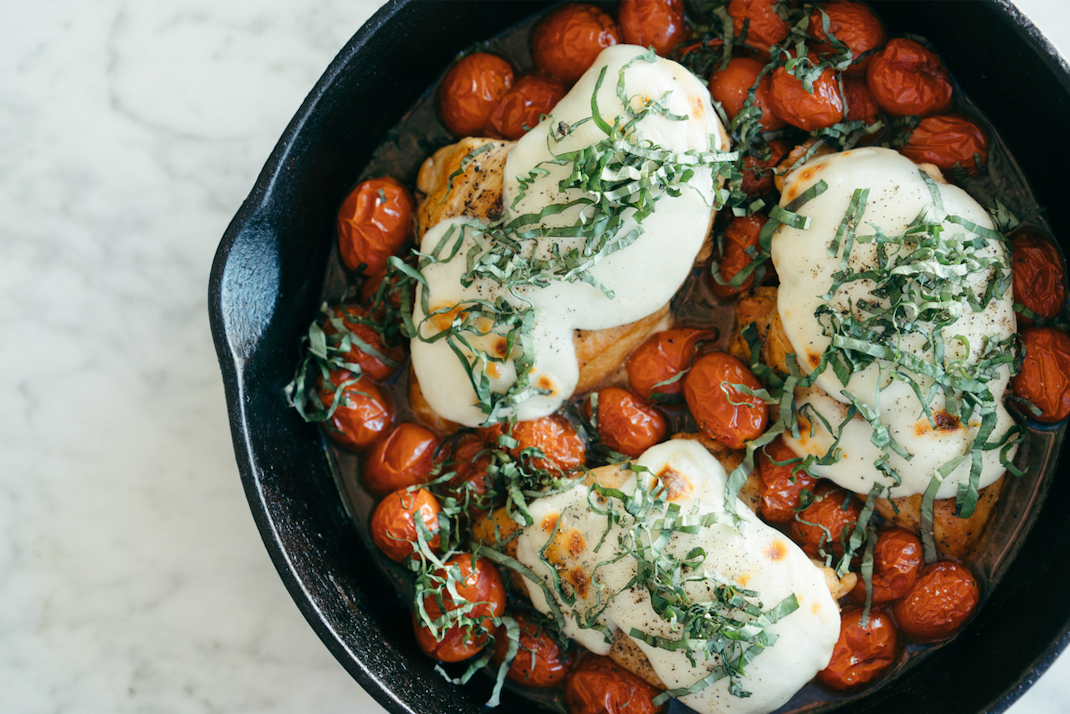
{"points": [[549, 534]]}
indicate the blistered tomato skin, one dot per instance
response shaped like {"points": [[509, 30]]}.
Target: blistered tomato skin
{"points": [[402, 458], [782, 484], [758, 173], [373, 223], [941, 601], [566, 42], [523, 105], [862, 653], [539, 662], [763, 25], [833, 511], [1045, 376], [471, 90], [722, 411], [364, 414], [561, 446], [742, 233], [598, 685], [906, 79], [478, 582], [860, 103], [1039, 275], [470, 483], [393, 525], [625, 423], [854, 25], [661, 358], [809, 112], [732, 85], [947, 141], [657, 23], [897, 560], [370, 365]]}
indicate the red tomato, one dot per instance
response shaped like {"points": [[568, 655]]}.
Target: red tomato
{"points": [[732, 85], [947, 141], [394, 522], [566, 42], [763, 25], [834, 510], [851, 23], [720, 409], [1045, 376], [862, 653], [471, 481], [657, 23], [539, 662], [363, 414], [781, 488], [860, 104], [370, 365], [625, 423], [521, 107], [663, 356], [374, 222], [598, 685], [403, 458], [471, 90], [810, 112], [942, 599], [561, 446], [906, 79], [741, 234], [897, 559], [1039, 275], [479, 582], [758, 174]]}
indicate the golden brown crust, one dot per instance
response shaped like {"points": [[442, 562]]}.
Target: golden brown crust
{"points": [[600, 353], [759, 306], [629, 655], [475, 192], [424, 413]]}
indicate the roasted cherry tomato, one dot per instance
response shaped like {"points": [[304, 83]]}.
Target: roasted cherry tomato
{"points": [[598, 685], [539, 661], [947, 141], [626, 424], [478, 582], [722, 411], [1045, 376], [661, 358], [1039, 275], [561, 446], [732, 85], [351, 317], [567, 41], [833, 511], [363, 414], [402, 458], [763, 25], [374, 222], [471, 90], [860, 103], [853, 24], [740, 235], [942, 599], [653, 23], [808, 111], [523, 105], [782, 484], [758, 173], [394, 522], [897, 559], [466, 456], [906, 79], [862, 653]]}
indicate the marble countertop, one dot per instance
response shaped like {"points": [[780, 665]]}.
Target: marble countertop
{"points": [[132, 577]]}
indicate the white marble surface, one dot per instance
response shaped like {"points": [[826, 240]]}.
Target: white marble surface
{"points": [[132, 578]]}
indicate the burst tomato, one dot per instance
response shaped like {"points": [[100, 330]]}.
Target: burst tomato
{"points": [[362, 414], [471, 90], [523, 105], [625, 423], [374, 222], [829, 519], [861, 653], [941, 601], [561, 447], [740, 236], [860, 103], [1045, 376], [897, 559], [598, 685], [478, 582], [758, 173], [948, 141], [782, 483], [566, 42], [851, 23], [539, 661], [653, 23], [1039, 275], [721, 410], [731, 87], [906, 79], [352, 319], [764, 27], [808, 111], [393, 525], [402, 458], [661, 358]]}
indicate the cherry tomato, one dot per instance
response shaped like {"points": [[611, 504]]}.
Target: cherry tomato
{"points": [[471, 90], [402, 458], [897, 559], [764, 26], [394, 522], [860, 103], [833, 511], [478, 582], [566, 42], [598, 685], [1039, 275], [781, 485], [720, 409], [370, 365], [741, 234], [851, 23], [662, 357], [625, 423], [520, 108], [471, 482], [374, 222], [657, 23], [947, 141], [810, 112], [732, 85], [862, 653], [906, 79], [942, 599], [561, 446], [758, 173], [1045, 376], [363, 414], [539, 662]]}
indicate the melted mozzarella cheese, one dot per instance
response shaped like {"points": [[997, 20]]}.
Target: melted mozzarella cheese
{"points": [[643, 276], [756, 557], [897, 195]]}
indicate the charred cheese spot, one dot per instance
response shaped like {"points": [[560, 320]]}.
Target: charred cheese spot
{"points": [[777, 550], [815, 359], [545, 382], [945, 423], [443, 320], [677, 485], [549, 522], [579, 581], [501, 347]]}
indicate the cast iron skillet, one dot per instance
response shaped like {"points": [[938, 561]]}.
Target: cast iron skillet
{"points": [[265, 289]]}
